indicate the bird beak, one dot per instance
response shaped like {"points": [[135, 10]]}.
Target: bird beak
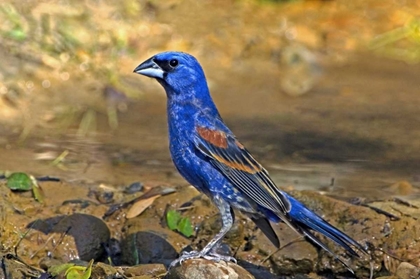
{"points": [[149, 68]]}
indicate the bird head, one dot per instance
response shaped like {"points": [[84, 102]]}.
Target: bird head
{"points": [[179, 73]]}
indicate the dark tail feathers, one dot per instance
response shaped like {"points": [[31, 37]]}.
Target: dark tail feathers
{"points": [[302, 219]]}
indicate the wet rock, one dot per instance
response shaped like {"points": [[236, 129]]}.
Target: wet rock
{"points": [[260, 272], [134, 188], [89, 234], [154, 270], [104, 197], [77, 236], [113, 251], [205, 269], [399, 207], [402, 241], [407, 271], [105, 194], [101, 270], [147, 247], [361, 223], [296, 257]]}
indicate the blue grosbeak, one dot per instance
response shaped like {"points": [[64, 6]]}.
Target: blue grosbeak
{"points": [[208, 155]]}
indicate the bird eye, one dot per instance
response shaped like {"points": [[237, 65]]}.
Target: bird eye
{"points": [[173, 63]]}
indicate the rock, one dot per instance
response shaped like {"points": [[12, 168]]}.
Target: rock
{"points": [[154, 270], [362, 224], [260, 272], [399, 207], [77, 236], [205, 269], [113, 251], [297, 256], [101, 270], [89, 234], [147, 247], [104, 195], [134, 188], [407, 271]]}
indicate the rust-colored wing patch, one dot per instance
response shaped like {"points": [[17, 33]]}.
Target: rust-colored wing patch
{"points": [[217, 138], [231, 158], [237, 165]]}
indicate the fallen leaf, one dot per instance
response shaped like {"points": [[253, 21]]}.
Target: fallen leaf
{"points": [[140, 206], [19, 181], [38, 193], [172, 219], [185, 227], [79, 272]]}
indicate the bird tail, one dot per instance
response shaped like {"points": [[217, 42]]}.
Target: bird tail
{"points": [[302, 219]]}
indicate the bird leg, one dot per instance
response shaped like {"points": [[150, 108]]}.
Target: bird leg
{"points": [[208, 251]]}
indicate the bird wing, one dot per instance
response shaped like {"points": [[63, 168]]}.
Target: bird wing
{"points": [[244, 172], [231, 158]]}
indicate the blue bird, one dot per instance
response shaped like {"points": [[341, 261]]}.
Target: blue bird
{"points": [[208, 155]]}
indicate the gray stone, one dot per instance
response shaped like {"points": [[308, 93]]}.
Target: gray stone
{"points": [[205, 269]]}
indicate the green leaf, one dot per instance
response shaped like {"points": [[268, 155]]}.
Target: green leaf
{"points": [[185, 227], [19, 181], [172, 219], [38, 193], [88, 271], [75, 272], [37, 190], [57, 269], [79, 272]]}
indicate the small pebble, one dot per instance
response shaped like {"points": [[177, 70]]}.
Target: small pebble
{"points": [[104, 197], [134, 188]]}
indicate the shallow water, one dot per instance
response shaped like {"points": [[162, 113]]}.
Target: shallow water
{"points": [[354, 133]]}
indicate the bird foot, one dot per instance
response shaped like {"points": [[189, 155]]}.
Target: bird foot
{"points": [[196, 255], [212, 256]]}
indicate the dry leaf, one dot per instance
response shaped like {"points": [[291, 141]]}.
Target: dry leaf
{"points": [[140, 206]]}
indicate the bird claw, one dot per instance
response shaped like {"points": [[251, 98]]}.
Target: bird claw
{"points": [[185, 256], [217, 257], [196, 255]]}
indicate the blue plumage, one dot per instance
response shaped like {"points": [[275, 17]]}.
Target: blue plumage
{"points": [[208, 155]]}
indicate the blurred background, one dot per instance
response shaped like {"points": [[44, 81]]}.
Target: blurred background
{"points": [[324, 93]]}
